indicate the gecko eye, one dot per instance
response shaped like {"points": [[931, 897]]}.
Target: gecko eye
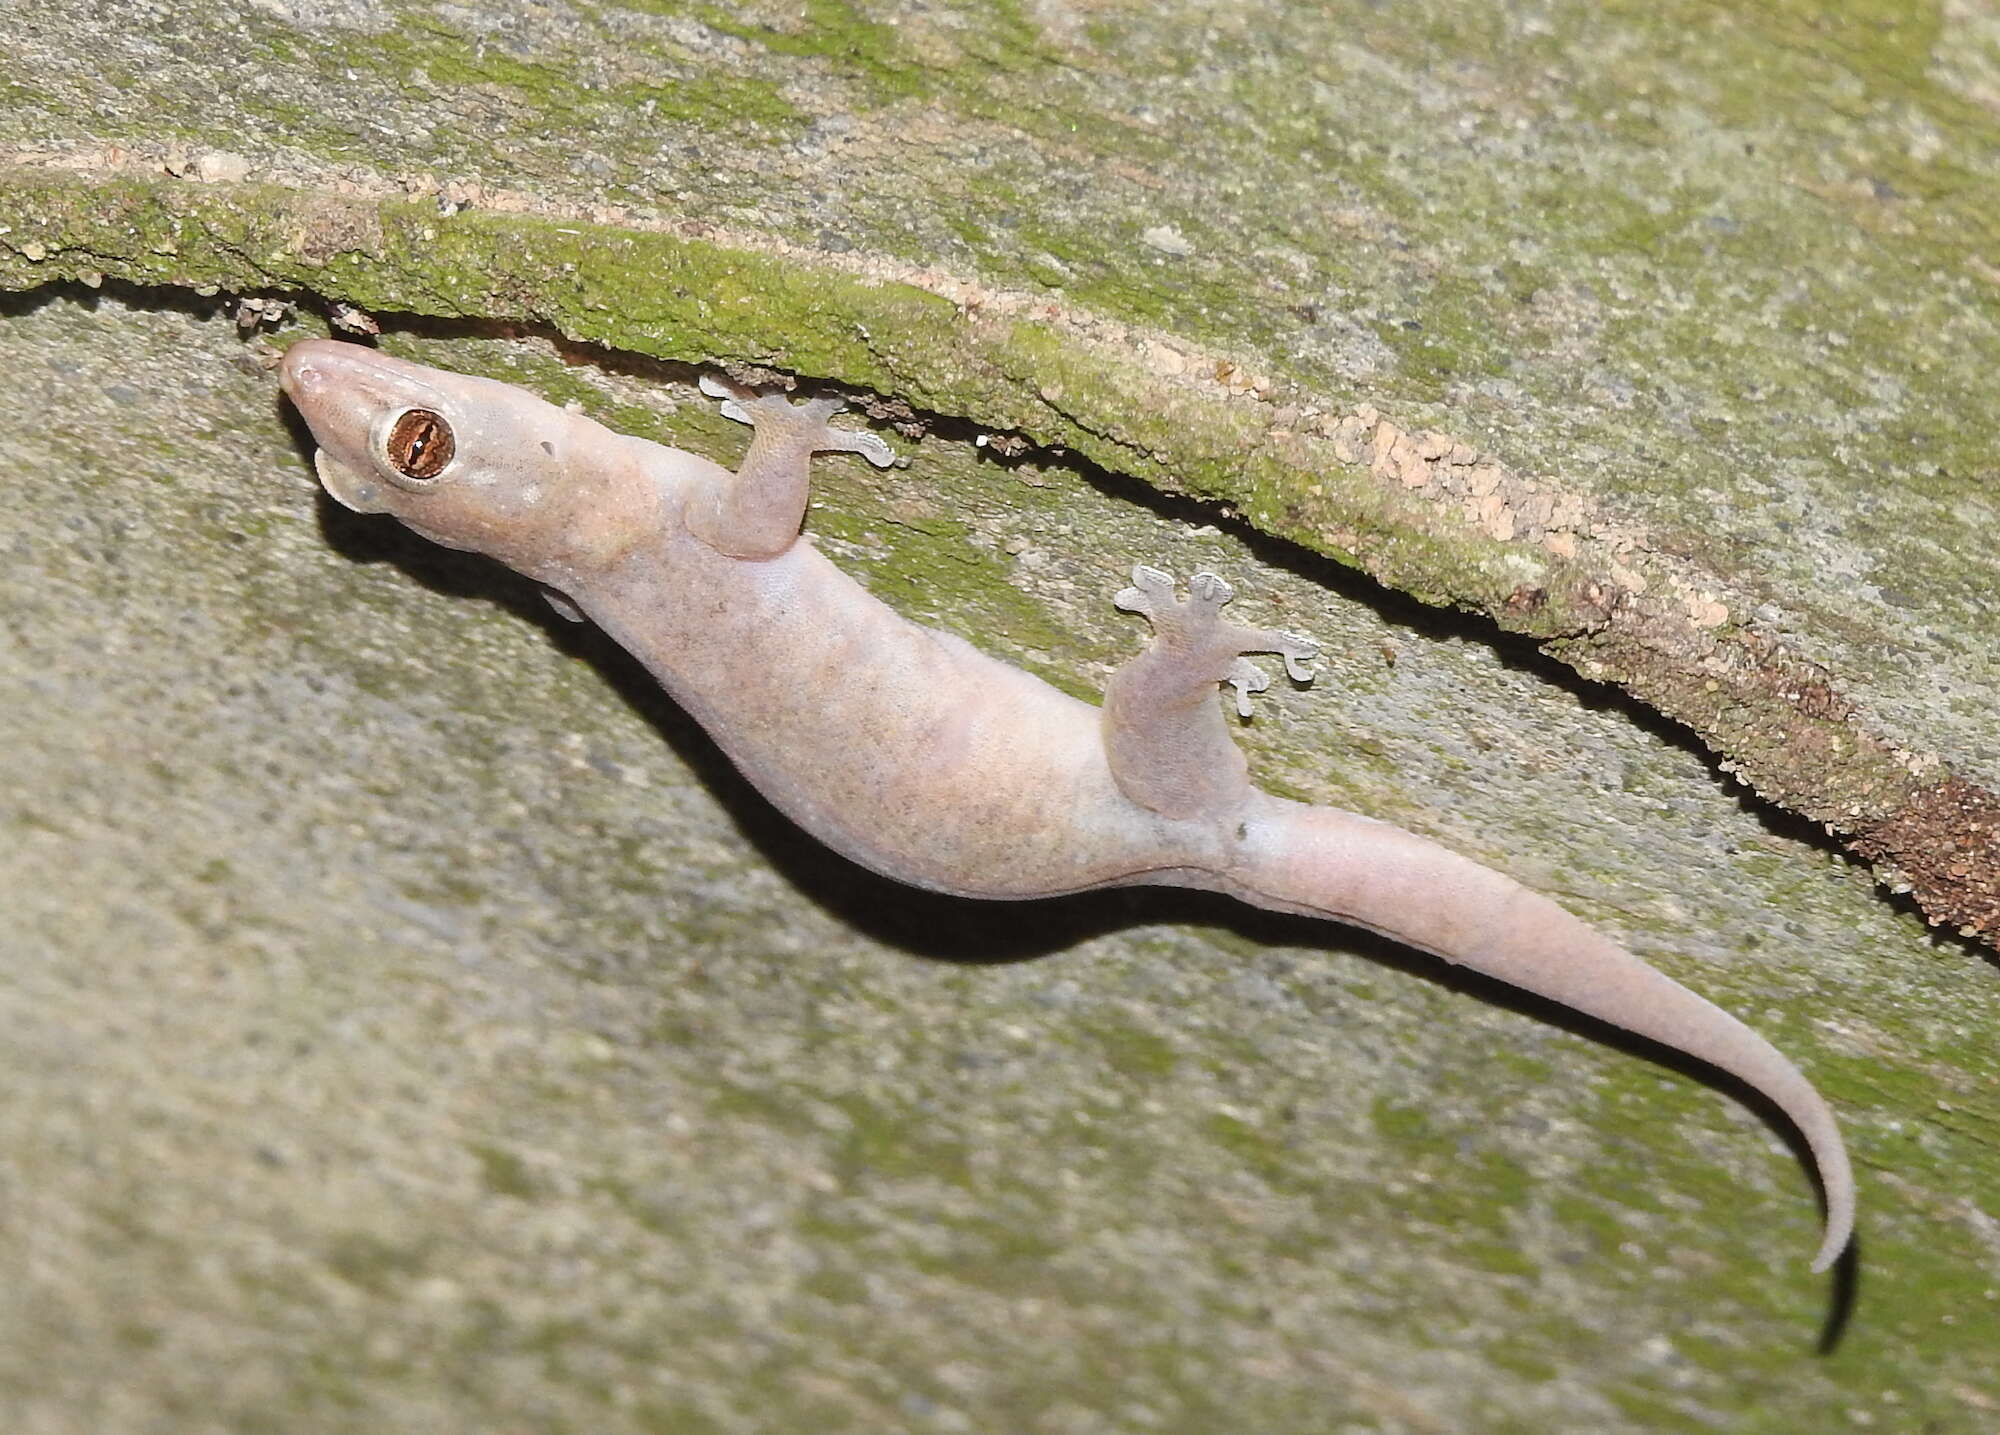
{"points": [[420, 445]]}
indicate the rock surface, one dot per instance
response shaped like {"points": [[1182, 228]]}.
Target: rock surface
{"points": [[410, 1023]]}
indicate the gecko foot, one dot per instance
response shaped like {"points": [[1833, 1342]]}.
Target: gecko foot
{"points": [[1194, 626], [805, 423], [1151, 593]]}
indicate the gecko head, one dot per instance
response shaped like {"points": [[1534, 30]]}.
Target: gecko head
{"points": [[467, 462]]}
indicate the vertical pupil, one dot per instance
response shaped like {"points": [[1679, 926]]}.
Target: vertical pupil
{"points": [[420, 444]]}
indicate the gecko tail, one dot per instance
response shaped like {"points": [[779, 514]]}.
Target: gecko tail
{"points": [[1320, 861]]}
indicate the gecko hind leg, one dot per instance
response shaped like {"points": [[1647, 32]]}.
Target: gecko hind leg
{"points": [[757, 513], [1169, 745]]}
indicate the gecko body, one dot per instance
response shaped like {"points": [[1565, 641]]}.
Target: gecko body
{"points": [[915, 754]]}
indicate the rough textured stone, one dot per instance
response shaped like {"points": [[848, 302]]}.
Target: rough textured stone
{"points": [[411, 1024]]}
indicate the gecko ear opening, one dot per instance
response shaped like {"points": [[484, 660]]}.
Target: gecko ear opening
{"points": [[352, 490]]}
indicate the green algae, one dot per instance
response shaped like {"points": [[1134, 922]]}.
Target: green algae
{"points": [[831, 30], [374, 1263], [504, 1173]]}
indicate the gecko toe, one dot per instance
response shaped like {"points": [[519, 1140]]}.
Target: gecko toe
{"points": [[718, 387], [872, 447], [1297, 651], [1210, 589], [1151, 593], [1247, 678]]}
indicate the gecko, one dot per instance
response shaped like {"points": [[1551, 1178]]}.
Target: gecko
{"points": [[912, 752]]}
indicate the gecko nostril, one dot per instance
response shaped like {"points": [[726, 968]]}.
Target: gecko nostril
{"points": [[296, 378]]}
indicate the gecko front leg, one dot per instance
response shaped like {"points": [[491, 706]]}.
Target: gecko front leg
{"points": [[1168, 743], [757, 513]]}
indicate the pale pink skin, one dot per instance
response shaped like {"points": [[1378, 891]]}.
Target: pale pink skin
{"points": [[917, 755]]}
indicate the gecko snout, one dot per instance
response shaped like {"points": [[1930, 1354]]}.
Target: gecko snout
{"points": [[303, 371], [288, 374]]}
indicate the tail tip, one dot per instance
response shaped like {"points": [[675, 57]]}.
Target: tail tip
{"points": [[1839, 1234]]}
